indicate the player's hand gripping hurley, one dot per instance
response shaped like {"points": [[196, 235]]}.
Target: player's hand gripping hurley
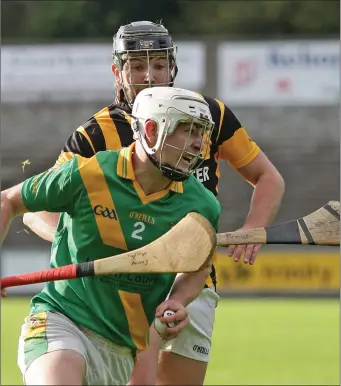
{"points": [[187, 246]]}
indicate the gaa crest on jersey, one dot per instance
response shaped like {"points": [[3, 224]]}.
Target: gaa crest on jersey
{"points": [[100, 210]]}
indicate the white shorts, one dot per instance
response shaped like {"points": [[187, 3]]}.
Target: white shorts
{"points": [[195, 340], [106, 362]]}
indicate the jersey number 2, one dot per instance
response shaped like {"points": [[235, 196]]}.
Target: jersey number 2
{"points": [[140, 227]]}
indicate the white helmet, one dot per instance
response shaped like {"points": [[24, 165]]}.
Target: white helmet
{"points": [[168, 107]]}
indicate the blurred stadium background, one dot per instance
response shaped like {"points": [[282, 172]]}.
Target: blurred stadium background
{"points": [[276, 65]]}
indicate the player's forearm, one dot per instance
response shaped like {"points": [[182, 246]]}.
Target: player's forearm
{"points": [[11, 206], [266, 200], [44, 224], [7, 215], [188, 286]]}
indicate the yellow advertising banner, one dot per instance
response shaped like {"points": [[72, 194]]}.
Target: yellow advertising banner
{"points": [[281, 271]]}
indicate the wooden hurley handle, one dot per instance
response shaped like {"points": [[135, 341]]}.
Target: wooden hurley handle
{"points": [[321, 227], [251, 236]]}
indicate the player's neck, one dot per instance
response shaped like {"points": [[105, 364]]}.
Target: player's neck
{"points": [[148, 176]]}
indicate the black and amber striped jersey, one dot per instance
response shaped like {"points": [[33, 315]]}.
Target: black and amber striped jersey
{"points": [[109, 129]]}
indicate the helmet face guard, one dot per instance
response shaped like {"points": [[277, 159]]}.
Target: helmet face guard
{"points": [[170, 107], [143, 40], [194, 159]]}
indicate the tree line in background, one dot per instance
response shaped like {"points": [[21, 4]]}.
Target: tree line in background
{"points": [[39, 21]]}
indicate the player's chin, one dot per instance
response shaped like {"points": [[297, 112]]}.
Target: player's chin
{"points": [[140, 87], [187, 166], [184, 167]]}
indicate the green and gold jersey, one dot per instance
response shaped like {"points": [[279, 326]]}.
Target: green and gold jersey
{"points": [[105, 212]]}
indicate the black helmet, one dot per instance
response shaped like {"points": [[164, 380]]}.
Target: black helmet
{"points": [[148, 37]]}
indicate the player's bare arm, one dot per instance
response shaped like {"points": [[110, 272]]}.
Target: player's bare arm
{"points": [[43, 224], [11, 206], [268, 192], [186, 288]]}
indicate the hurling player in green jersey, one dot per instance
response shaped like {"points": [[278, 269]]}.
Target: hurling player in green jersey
{"points": [[88, 331]]}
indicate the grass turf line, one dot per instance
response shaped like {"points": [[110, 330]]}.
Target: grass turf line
{"points": [[255, 342]]}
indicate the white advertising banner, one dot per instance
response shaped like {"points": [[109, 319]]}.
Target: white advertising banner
{"points": [[279, 72], [191, 59], [56, 72], [78, 72]]}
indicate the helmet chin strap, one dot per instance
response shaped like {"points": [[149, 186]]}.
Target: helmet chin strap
{"points": [[169, 172]]}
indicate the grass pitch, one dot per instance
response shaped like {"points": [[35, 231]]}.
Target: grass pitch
{"points": [[255, 342]]}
